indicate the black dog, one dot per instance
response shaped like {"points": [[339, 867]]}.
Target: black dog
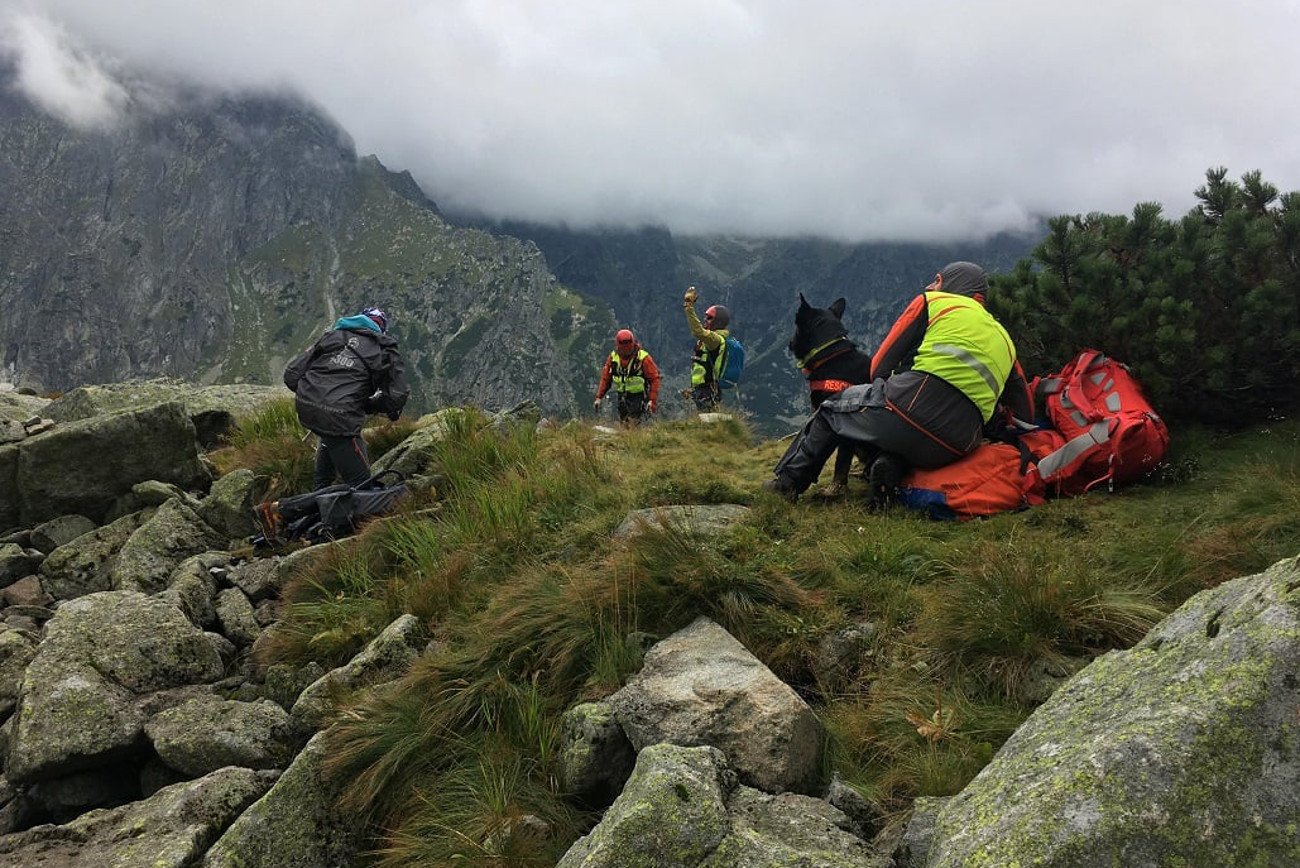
{"points": [[830, 363]]}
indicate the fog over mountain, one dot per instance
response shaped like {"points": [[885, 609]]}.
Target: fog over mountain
{"points": [[920, 121]]}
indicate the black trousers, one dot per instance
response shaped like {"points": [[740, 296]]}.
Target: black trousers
{"points": [[706, 397], [344, 457], [631, 407]]}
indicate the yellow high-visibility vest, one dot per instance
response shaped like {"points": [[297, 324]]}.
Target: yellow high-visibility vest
{"points": [[967, 347]]}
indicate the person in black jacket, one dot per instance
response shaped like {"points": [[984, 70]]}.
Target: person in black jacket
{"points": [[352, 370]]}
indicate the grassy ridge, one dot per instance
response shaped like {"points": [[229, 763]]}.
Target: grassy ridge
{"points": [[533, 604]]}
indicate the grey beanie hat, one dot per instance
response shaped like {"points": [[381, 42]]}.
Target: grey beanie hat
{"points": [[964, 278]]}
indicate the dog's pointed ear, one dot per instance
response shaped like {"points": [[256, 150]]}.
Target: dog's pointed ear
{"points": [[803, 302], [837, 307]]}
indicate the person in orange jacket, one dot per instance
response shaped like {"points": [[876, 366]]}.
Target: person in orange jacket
{"points": [[634, 376]]}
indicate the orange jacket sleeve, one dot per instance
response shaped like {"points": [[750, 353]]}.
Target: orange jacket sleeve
{"points": [[902, 341], [650, 371], [606, 378]]}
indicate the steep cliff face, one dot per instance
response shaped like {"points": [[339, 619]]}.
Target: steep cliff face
{"points": [[216, 239]]}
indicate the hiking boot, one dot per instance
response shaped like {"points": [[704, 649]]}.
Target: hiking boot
{"points": [[883, 477], [834, 491], [781, 487]]}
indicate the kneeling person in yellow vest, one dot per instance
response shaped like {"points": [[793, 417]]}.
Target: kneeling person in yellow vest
{"points": [[937, 379], [634, 377], [709, 358]]}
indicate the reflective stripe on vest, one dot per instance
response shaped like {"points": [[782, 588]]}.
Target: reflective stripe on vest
{"points": [[628, 379], [966, 347], [699, 375]]}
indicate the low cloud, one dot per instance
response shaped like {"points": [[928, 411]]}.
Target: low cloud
{"points": [[927, 120]]}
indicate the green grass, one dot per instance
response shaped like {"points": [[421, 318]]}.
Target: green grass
{"points": [[533, 604]]}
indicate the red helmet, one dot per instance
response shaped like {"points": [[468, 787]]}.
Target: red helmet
{"points": [[624, 342], [717, 316]]}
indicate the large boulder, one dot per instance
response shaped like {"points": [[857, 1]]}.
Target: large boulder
{"points": [[295, 825], [85, 565], [212, 409], [386, 657], [1183, 750], [17, 650], [83, 467], [156, 548], [191, 587], [228, 508], [770, 831], [49, 535], [701, 687], [413, 455], [171, 829], [15, 563], [671, 814], [235, 615], [207, 733], [79, 704]]}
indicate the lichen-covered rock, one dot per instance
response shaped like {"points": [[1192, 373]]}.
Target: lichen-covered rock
{"points": [[1183, 750], [700, 519], [191, 588], [304, 559], [15, 564], [385, 658], [171, 829], [671, 814], [866, 817], [82, 467], [235, 615], [213, 409], [914, 846], [258, 579], [295, 825], [77, 707], [701, 686], [157, 548], [226, 649], [596, 758], [26, 593], [228, 507], [285, 682], [412, 456], [205, 734], [17, 649], [49, 535], [840, 654], [84, 565], [769, 831]]}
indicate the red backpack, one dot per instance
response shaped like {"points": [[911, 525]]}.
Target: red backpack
{"points": [[996, 477], [1111, 433]]}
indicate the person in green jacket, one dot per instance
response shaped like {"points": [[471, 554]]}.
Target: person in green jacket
{"points": [[710, 357]]}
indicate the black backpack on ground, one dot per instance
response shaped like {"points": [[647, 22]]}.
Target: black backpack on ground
{"points": [[327, 513]]}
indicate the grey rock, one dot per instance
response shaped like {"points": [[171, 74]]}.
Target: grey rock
{"points": [[228, 507], [1047, 674], [671, 814], [213, 409], [596, 757], [385, 658], [303, 560], [258, 579], [15, 563], [914, 847], [225, 649], [82, 467], [840, 654], [413, 455], [285, 682], [701, 686], [768, 831], [170, 829], [49, 535], [20, 623], [867, 818], [699, 519], [235, 615], [1183, 749], [295, 825], [84, 565], [155, 492], [267, 612], [22, 537], [17, 649], [77, 708], [192, 589], [11, 431], [156, 548], [206, 734]]}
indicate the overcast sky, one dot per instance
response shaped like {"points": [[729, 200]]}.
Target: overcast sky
{"points": [[860, 120]]}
